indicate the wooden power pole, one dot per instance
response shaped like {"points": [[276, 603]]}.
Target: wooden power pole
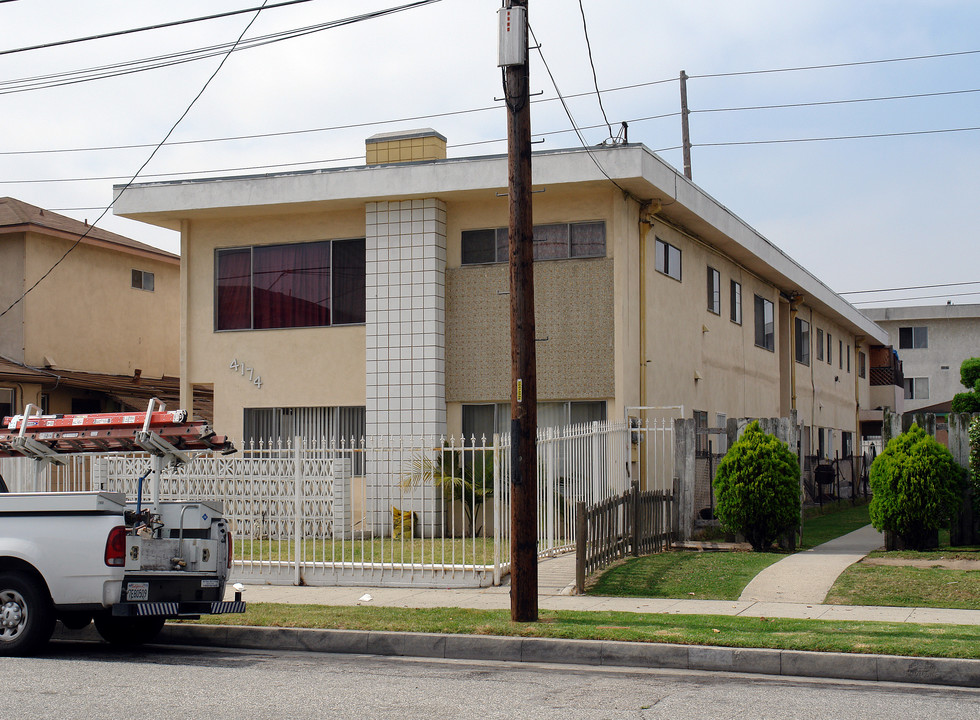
{"points": [[524, 392]]}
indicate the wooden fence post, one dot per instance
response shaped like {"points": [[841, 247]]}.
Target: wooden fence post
{"points": [[635, 500]]}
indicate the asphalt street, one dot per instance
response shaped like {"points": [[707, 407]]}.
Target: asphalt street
{"points": [[96, 682]]}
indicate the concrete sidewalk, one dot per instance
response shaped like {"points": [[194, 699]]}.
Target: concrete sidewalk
{"points": [[556, 582], [806, 577]]}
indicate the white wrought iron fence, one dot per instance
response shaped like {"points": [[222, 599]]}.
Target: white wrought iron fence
{"points": [[374, 511]]}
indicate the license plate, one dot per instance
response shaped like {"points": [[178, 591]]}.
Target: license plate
{"points": [[137, 592], [208, 583]]}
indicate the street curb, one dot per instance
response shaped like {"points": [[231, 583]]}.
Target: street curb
{"points": [[794, 663]]}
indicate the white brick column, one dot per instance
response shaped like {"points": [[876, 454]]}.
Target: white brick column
{"points": [[406, 348]]}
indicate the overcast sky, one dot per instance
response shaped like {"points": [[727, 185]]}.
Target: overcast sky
{"points": [[860, 214]]}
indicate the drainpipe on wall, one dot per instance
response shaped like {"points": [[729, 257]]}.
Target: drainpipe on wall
{"points": [[858, 339], [647, 212], [794, 307]]}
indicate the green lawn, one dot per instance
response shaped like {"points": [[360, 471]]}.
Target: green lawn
{"points": [[682, 574], [787, 634], [717, 575], [904, 586]]}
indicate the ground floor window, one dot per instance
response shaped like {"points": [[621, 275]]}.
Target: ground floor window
{"points": [[329, 426], [483, 420], [6, 402]]}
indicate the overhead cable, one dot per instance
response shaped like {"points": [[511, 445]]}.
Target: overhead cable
{"points": [[158, 26]]}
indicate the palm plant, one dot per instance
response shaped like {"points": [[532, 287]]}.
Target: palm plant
{"points": [[463, 475]]}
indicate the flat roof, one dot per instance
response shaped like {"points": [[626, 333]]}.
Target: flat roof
{"points": [[632, 167]]}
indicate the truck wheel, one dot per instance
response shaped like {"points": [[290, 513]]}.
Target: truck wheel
{"points": [[26, 615], [128, 631]]}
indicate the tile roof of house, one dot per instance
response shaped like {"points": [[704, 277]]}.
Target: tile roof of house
{"points": [[17, 216]]}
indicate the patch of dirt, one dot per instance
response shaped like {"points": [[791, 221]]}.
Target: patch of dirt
{"points": [[948, 564]]}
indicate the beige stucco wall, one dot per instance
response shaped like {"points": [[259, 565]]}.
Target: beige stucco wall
{"points": [[304, 367], [11, 287], [684, 340], [575, 309], [86, 316]]}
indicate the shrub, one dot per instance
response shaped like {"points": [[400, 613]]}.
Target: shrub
{"points": [[915, 485], [970, 373], [965, 402], [758, 488]]}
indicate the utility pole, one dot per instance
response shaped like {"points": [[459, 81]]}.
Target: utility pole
{"points": [[685, 128], [524, 393]]}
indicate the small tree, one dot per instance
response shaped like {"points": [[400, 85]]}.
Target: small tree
{"points": [[968, 402], [975, 461], [915, 485], [758, 488]]}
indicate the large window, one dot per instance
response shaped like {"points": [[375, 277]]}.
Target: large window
{"points": [[916, 388], [668, 260], [288, 286], [482, 421], [736, 302], [551, 242], [714, 291], [765, 329], [913, 337], [802, 341]]}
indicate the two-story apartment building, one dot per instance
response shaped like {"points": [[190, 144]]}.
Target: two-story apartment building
{"points": [[373, 299], [932, 341], [100, 328]]}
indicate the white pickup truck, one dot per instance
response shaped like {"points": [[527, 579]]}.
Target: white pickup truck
{"points": [[83, 556]]}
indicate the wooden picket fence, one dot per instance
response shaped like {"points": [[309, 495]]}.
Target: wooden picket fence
{"points": [[634, 523]]}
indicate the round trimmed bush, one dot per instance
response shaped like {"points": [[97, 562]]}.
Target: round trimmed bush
{"points": [[758, 488], [915, 485]]}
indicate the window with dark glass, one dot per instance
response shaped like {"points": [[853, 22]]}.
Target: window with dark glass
{"points": [[668, 260], [913, 338], [551, 242], [714, 291], [765, 335], [290, 286], [862, 365], [819, 344], [830, 349], [802, 341], [736, 302], [142, 280]]}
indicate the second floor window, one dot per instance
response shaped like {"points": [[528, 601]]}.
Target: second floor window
{"points": [[714, 291], [551, 242], [288, 286], [913, 338], [142, 280], [802, 341], [736, 293], [765, 334], [668, 259]]}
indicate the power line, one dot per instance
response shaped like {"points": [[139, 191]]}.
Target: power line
{"points": [[595, 79], [919, 297], [134, 66], [141, 168], [837, 102], [837, 65], [158, 26], [911, 287], [838, 137]]}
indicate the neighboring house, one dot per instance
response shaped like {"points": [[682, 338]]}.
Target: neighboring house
{"points": [[932, 342], [374, 299], [100, 332]]}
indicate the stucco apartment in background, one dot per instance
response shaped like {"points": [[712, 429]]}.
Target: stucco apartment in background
{"points": [[100, 333], [374, 299], [932, 342]]}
